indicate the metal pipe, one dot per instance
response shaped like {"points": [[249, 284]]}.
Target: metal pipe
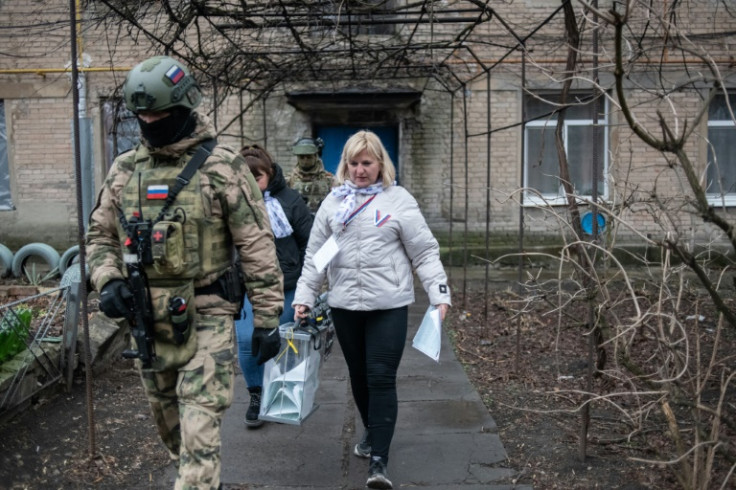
{"points": [[43, 71], [452, 177], [488, 196], [92, 445], [328, 23], [466, 168]]}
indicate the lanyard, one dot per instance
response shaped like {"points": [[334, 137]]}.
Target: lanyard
{"points": [[357, 211]]}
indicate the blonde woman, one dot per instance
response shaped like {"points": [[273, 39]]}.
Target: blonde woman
{"points": [[372, 236]]}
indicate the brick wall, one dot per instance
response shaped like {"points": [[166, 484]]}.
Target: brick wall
{"points": [[442, 165]]}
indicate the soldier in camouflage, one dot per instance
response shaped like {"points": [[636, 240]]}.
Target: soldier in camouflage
{"points": [[217, 215], [309, 178]]}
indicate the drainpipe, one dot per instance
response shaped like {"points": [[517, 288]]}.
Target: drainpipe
{"points": [[85, 142], [86, 177]]}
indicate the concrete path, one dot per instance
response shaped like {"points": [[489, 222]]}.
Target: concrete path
{"points": [[444, 439]]}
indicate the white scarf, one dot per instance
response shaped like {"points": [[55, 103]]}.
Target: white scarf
{"points": [[279, 222], [348, 191]]}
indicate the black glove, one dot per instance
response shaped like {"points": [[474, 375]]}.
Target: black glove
{"points": [[265, 344], [115, 299]]}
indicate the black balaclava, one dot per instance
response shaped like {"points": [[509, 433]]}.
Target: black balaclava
{"points": [[172, 128]]}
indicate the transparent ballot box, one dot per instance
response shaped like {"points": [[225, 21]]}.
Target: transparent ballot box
{"points": [[291, 379]]}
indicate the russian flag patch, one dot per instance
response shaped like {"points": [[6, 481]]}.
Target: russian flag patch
{"points": [[157, 192], [175, 74]]}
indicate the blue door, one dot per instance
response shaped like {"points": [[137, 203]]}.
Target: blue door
{"points": [[336, 136]]}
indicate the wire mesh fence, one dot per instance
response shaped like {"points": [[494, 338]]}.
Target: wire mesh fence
{"points": [[37, 337]]}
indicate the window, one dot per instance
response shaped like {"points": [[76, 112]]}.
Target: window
{"points": [[6, 203], [721, 186], [366, 17], [542, 170], [120, 129]]}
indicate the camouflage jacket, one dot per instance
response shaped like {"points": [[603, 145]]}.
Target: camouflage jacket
{"points": [[229, 193], [313, 185]]}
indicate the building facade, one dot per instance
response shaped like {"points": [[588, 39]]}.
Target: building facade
{"points": [[473, 132]]}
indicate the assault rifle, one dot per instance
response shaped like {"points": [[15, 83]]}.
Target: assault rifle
{"points": [[138, 253]]}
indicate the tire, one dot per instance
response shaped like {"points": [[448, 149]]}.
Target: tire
{"points": [[68, 258], [6, 261], [46, 252]]}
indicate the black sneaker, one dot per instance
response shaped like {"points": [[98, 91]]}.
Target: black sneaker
{"points": [[377, 475], [251, 415], [363, 448]]}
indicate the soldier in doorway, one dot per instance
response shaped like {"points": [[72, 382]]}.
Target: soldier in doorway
{"points": [[309, 178]]}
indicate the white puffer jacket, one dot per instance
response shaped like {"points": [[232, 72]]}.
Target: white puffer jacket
{"points": [[378, 250]]}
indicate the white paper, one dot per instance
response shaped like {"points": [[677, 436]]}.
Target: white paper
{"points": [[428, 339], [282, 394], [286, 401], [326, 253]]}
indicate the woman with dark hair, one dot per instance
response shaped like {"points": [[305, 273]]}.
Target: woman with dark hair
{"points": [[368, 238], [291, 222]]}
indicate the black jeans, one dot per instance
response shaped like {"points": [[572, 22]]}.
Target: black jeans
{"points": [[372, 343]]}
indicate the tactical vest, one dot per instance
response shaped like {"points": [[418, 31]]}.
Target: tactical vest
{"points": [[313, 191], [185, 243]]}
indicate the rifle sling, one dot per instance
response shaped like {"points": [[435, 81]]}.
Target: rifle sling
{"points": [[199, 157]]}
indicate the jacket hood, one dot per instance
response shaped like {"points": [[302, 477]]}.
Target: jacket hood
{"points": [[277, 182]]}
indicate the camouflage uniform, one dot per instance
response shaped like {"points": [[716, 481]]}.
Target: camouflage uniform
{"points": [[189, 396], [313, 184]]}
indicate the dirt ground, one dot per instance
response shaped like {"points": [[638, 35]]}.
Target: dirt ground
{"points": [[47, 446], [530, 373]]}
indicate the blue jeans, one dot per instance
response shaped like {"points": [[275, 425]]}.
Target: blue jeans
{"points": [[252, 372]]}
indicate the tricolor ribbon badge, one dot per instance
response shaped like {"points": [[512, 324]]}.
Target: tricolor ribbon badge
{"points": [[175, 74], [378, 220], [157, 192]]}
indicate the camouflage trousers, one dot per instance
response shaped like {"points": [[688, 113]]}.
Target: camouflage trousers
{"points": [[189, 403]]}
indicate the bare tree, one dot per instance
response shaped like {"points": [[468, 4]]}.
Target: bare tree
{"points": [[665, 367]]}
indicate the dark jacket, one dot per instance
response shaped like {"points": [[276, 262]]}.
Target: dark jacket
{"points": [[291, 249]]}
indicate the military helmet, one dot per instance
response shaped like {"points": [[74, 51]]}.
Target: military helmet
{"points": [[308, 146], [158, 84]]}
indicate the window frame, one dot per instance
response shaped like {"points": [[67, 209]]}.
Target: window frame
{"points": [[9, 206], [532, 197], [717, 198], [117, 122], [381, 8]]}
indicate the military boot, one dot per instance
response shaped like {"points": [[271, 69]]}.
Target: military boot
{"points": [[251, 415]]}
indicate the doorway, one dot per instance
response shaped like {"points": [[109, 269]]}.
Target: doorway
{"points": [[336, 136]]}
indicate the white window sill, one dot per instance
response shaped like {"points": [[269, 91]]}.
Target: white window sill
{"points": [[718, 202], [548, 201]]}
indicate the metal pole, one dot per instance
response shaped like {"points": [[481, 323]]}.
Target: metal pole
{"points": [[517, 363], [467, 203], [488, 195], [452, 177], [80, 229]]}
